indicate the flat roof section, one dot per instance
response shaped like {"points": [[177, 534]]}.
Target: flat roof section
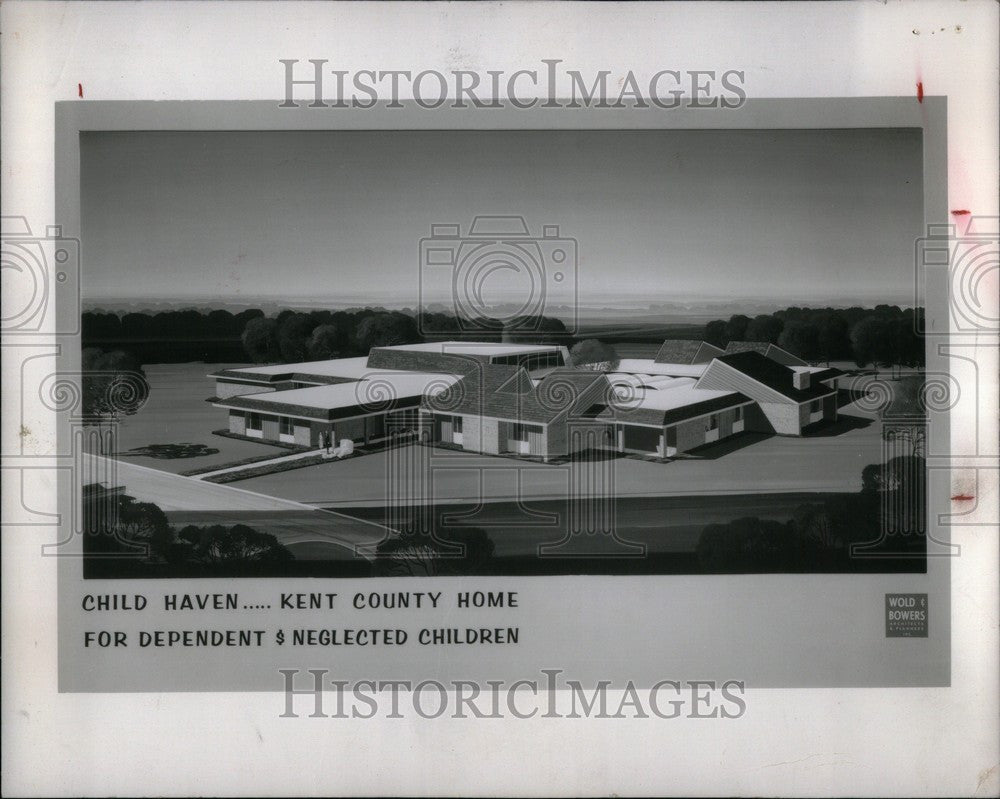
{"points": [[343, 368], [647, 366], [376, 392], [684, 397]]}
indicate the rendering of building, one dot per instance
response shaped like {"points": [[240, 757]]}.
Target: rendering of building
{"points": [[525, 401], [358, 398]]}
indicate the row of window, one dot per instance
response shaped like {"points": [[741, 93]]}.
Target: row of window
{"points": [[255, 423], [516, 431], [519, 431], [712, 422], [532, 361]]}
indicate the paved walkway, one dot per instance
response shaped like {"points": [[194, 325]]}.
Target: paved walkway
{"points": [[257, 464]]}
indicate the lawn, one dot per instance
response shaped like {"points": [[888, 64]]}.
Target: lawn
{"points": [[177, 423]]}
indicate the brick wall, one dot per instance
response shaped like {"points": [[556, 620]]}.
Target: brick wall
{"points": [[690, 434], [490, 441], [785, 418], [237, 423], [472, 433], [303, 434]]}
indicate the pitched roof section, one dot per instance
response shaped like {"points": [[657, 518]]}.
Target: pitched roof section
{"points": [[687, 351], [497, 391], [768, 350], [411, 360], [768, 373]]}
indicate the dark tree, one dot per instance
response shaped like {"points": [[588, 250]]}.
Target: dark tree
{"points": [[386, 329], [260, 340], [142, 524], [97, 325], [293, 337], [715, 333], [866, 341], [736, 327], [220, 323], [239, 543], [764, 328], [325, 342], [834, 342], [137, 325], [113, 384], [594, 354], [801, 339], [908, 343]]}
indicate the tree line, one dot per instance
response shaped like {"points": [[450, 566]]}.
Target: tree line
{"points": [[883, 336], [820, 536], [292, 336]]}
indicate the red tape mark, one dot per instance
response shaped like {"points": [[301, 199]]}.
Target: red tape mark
{"points": [[963, 497], [920, 92], [79, 89], [961, 212]]}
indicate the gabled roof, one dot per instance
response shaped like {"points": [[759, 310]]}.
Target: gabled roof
{"points": [[771, 374], [772, 351], [497, 391], [685, 350]]}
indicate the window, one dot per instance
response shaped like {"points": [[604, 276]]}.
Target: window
{"points": [[739, 414], [712, 423], [457, 424], [253, 421], [519, 431], [286, 427], [815, 406]]}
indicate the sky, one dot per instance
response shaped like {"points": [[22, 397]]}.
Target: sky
{"points": [[794, 215]]}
